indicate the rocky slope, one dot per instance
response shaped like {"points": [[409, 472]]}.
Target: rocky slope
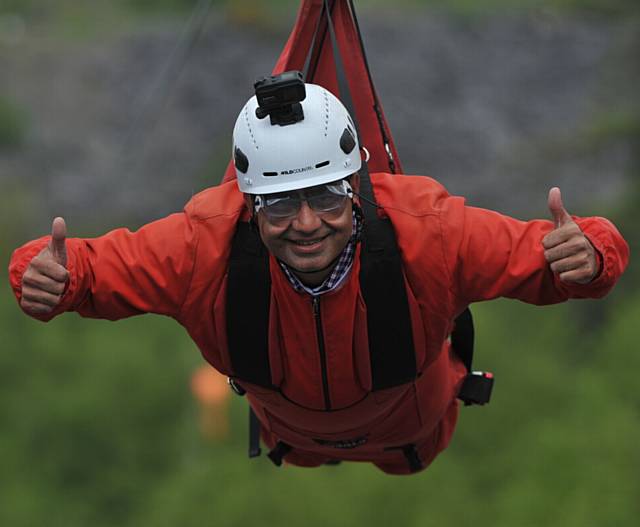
{"points": [[498, 109]]}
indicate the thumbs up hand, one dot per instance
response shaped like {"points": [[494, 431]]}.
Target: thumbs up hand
{"points": [[45, 279], [567, 250]]}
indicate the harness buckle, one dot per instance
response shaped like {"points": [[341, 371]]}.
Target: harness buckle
{"points": [[476, 388]]}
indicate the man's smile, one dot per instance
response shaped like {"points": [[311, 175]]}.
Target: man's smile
{"points": [[305, 245]]}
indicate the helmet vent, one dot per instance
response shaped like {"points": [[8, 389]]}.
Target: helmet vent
{"points": [[323, 164], [347, 141], [326, 113], [241, 161], [269, 174], [246, 118]]}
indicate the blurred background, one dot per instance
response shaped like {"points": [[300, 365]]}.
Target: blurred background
{"points": [[113, 113]]}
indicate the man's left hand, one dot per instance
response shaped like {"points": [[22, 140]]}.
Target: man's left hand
{"points": [[567, 250]]}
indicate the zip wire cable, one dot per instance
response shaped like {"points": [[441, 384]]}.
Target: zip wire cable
{"points": [[157, 96]]}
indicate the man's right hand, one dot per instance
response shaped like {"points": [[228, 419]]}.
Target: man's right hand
{"points": [[44, 281]]}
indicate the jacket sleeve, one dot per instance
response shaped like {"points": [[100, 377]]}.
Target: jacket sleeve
{"points": [[491, 255], [122, 273]]}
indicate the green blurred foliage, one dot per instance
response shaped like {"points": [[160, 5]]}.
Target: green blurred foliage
{"points": [[17, 6], [13, 124], [151, 5]]}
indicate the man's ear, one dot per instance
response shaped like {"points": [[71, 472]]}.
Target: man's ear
{"points": [[354, 181], [248, 201]]}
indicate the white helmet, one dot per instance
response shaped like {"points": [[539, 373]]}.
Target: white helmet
{"points": [[321, 148]]}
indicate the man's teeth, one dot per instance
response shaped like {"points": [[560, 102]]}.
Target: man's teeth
{"points": [[308, 242]]}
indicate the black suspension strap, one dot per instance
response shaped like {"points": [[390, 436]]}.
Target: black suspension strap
{"points": [[315, 50], [312, 61], [382, 284], [152, 103], [376, 101]]}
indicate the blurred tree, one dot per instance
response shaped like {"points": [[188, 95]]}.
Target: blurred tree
{"points": [[13, 124], [212, 392]]}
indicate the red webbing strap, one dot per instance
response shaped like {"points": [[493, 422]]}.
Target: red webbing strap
{"points": [[295, 53]]}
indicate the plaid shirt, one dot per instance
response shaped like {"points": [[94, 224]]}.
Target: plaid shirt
{"points": [[339, 272]]}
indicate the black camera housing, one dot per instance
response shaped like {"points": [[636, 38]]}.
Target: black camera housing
{"points": [[279, 97]]}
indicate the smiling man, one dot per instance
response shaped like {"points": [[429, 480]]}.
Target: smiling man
{"points": [[337, 323]]}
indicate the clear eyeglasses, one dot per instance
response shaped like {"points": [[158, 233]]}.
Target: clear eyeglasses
{"points": [[322, 199]]}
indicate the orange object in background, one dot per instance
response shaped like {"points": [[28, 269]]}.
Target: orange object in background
{"points": [[212, 392]]}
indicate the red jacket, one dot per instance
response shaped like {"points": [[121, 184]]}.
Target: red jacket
{"points": [[453, 255]]}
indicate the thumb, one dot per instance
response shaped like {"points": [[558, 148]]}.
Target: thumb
{"points": [[558, 212], [58, 245]]}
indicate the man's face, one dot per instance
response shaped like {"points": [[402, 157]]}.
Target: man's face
{"points": [[310, 241]]}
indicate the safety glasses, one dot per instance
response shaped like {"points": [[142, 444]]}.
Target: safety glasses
{"points": [[322, 199]]}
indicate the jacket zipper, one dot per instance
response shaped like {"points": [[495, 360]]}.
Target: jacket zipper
{"points": [[315, 301]]}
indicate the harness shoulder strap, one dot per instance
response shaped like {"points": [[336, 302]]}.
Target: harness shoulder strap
{"points": [[247, 307], [382, 284]]}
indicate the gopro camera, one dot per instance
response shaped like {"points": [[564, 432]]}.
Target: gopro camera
{"points": [[279, 97]]}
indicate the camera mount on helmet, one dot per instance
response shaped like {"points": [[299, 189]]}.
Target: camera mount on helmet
{"points": [[279, 97]]}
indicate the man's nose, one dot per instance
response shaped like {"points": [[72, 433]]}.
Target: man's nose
{"points": [[307, 220]]}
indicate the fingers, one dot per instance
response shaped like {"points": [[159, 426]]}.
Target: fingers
{"points": [[35, 308], [58, 246], [562, 235], [573, 260], [572, 246], [577, 262], [34, 297], [578, 276], [32, 280], [44, 264], [558, 213], [40, 294]]}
